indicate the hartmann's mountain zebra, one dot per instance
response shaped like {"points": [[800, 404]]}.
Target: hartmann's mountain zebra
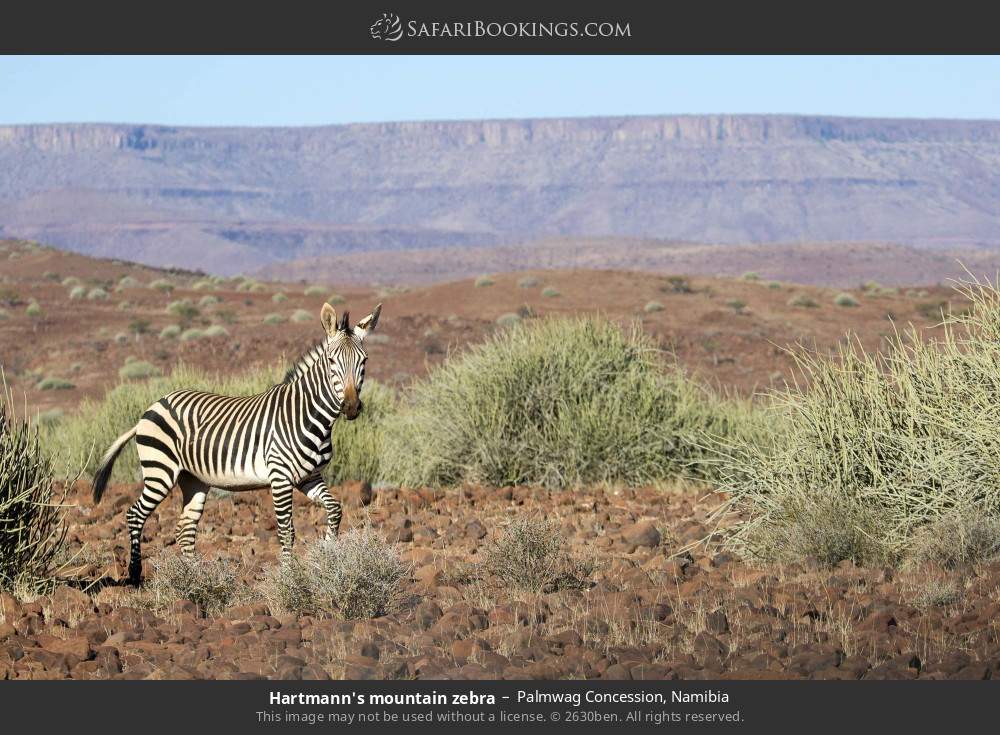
{"points": [[279, 439]]}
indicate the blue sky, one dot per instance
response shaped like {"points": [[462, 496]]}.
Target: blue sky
{"points": [[285, 90]]}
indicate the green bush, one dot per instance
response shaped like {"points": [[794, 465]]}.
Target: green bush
{"points": [[528, 282], [301, 316], [483, 281], [750, 276], [183, 309], [78, 292], [801, 301], [208, 300], [216, 330], [51, 383], [550, 292], [71, 281], [97, 294], [190, 335], [272, 319], [334, 299], [138, 370], [33, 310], [202, 285], [128, 282], [279, 298], [557, 402], [508, 320], [171, 331], [161, 284], [881, 446], [652, 306], [32, 534], [314, 291], [845, 299]]}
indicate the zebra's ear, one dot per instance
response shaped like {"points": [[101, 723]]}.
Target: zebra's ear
{"points": [[366, 325], [328, 316]]}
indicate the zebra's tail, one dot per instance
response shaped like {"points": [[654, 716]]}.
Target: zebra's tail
{"points": [[103, 473]]}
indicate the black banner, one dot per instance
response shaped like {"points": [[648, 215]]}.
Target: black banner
{"points": [[450, 27], [281, 706]]}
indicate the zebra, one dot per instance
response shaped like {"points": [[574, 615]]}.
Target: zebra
{"points": [[277, 440]]}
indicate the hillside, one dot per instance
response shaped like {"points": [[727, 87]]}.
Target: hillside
{"points": [[842, 264], [729, 331], [234, 199]]}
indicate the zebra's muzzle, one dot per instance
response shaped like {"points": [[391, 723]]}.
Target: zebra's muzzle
{"points": [[352, 402]]}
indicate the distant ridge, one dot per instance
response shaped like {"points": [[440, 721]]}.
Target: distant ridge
{"points": [[241, 199]]}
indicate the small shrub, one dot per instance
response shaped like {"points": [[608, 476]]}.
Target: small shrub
{"points": [[357, 574], [49, 418], [33, 310], [211, 584], [750, 276], [216, 330], [963, 538], [652, 306], [124, 305], [190, 335], [531, 554], [138, 370], [171, 331], [52, 383], [202, 285], [358, 445], [288, 588], [508, 320], [801, 301], [313, 291], [528, 282], [161, 284], [32, 534], [935, 590], [71, 281], [299, 316], [183, 309], [272, 319], [78, 292], [550, 292], [845, 299], [97, 294], [279, 298], [4, 315], [208, 300], [736, 305], [774, 285], [121, 338], [676, 284], [484, 281], [334, 299], [128, 282], [139, 326]]}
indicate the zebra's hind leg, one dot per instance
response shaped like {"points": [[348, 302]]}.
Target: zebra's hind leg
{"points": [[281, 494], [316, 490], [194, 493], [154, 489]]}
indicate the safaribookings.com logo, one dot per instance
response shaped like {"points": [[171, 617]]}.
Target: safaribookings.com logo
{"points": [[390, 28]]}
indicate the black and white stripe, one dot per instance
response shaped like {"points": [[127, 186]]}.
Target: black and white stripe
{"points": [[279, 439]]}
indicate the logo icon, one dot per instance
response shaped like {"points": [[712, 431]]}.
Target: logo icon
{"points": [[387, 28]]}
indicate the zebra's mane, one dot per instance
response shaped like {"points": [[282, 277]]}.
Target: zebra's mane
{"points": [[305, 361]]}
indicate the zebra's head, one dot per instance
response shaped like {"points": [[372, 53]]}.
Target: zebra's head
{"points": [[346, 356]]}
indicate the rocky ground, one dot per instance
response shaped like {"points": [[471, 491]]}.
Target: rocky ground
{"points": [[648, 611]]}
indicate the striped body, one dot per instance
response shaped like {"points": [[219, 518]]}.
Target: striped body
{"points": [[278, 440]]}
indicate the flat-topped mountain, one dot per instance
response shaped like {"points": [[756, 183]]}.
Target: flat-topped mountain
{"points": [[238, 199]]}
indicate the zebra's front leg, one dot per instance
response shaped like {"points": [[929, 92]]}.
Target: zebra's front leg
{"points": [[281, 494], [317, 491]]}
